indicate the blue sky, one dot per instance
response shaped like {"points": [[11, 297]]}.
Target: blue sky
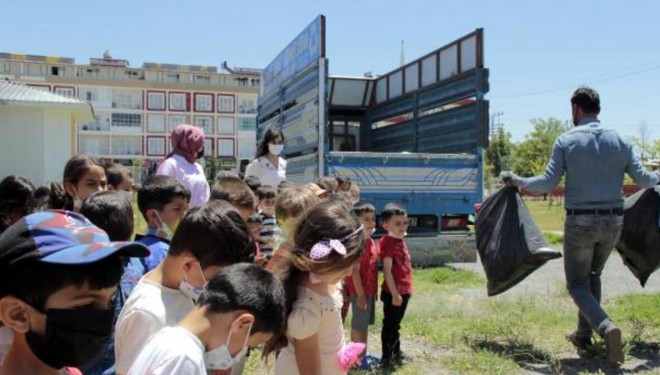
{"points": [[537, 52]]}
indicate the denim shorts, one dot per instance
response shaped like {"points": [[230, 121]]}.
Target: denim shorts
{"points": [[362, 319]]}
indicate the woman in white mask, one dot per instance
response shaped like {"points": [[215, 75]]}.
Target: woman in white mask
{"points": [[268, 166]]}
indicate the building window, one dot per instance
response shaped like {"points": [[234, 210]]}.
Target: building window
{"points": [[226, 103], [208, 147], [178, 102], [172, 77], [225, 147], [241, 81], [69, 92], [255, 81], [126, 146], [226, 126], [7, 68], [246, 148], [247, 105], [126, 99], [202, 79], [156, 123], [57, 70], [176, 120], [89, 94], [155, 146], [156, 101], [203, 103], [126, 119], [246, 124], [206, 123]]}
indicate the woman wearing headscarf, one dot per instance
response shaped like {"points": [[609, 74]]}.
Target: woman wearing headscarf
{"points": [[181, 163], [268, 166]]}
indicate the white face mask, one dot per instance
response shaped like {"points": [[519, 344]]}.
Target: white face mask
{"points": [[77, 202], [189, 290], [164, 227], [275, 149], [220, 358]]}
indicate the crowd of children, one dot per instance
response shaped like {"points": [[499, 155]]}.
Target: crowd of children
{"points": [[254, 266]]}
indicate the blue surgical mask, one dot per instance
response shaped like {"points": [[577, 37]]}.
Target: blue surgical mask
{"points": [[220, 358]]}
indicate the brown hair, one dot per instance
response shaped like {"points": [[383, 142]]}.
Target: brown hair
{"points": [[74, 170], [233, 190], [325, 221], [292, 201], [328, 184]]}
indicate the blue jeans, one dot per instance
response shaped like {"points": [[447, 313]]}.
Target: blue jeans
{"points": [[588, 242]]}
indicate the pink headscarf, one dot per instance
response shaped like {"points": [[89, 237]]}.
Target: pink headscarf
{"points": [[186, 141]]}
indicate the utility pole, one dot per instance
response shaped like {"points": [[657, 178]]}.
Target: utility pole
{"points": [[495, 126]]}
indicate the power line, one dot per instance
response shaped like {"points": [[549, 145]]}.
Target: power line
{"points": [[568, 86]]}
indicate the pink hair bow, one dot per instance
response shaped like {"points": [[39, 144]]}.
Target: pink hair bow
{"points": [[323, 248], [350, 354]]}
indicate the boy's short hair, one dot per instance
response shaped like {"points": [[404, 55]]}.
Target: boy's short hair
{"points": [[47, 251], [328, 184], [266, 192], [363, 208], [253, 182], [292, 201], [233, 190], [215, 234], [157, 191], [343, 180], [392, 209], [115, 173], [111, 212], [248, 287]]}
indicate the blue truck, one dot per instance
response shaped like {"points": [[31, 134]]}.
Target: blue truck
{"points": [[414, 135]]}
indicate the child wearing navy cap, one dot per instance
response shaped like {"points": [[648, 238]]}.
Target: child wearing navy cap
{"points": [[58, 277]]}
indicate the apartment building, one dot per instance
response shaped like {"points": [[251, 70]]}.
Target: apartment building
{"points": [[135, 109]]}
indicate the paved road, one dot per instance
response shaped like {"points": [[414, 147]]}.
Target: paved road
{"points": [[617, 279]]}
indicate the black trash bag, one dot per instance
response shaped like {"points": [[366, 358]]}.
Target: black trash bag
{"points": [[510, 244], [639, 244]]}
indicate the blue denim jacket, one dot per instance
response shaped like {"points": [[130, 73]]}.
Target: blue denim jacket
{"points": [[594, 160]]}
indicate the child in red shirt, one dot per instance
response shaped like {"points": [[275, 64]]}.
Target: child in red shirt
{"points": [[397, 286], [362, 286]]}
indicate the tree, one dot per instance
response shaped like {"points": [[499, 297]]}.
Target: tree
{"points": [[643, 143], [655, 150], [532, 154], [499, 153]]}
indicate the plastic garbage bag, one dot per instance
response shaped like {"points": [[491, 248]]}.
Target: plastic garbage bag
{"points": [[639, 244], [510, 244]]}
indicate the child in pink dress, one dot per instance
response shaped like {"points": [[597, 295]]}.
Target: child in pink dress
{"points": [[327, 244]]}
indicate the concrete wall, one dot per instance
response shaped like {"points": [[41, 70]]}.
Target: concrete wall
{"points": [[34, 142]]}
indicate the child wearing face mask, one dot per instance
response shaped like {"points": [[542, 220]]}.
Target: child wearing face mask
{"points": [[83, 175], [328, 243], [162, 201], [242, 306], [111, 212], [208, 238], [58, 277]]}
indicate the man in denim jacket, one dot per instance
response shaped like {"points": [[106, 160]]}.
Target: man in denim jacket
{"points": [[594, 160]]}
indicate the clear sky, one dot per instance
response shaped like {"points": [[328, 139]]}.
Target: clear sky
{"points": [[538, 52]]}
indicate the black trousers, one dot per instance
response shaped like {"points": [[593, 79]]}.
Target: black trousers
{"points": [[392, 317]]}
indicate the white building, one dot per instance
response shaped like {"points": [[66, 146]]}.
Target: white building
{"points": [[37, 131], [135, 109]]}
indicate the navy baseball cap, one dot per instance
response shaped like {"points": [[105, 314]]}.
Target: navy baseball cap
{"points": [[61, 237]]}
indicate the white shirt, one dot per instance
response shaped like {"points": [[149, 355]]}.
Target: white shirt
{"points": [[148, 309], [171, 351], [6, 338], [191, 175], [266, 172]]}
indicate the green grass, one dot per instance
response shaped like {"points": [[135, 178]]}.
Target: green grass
{"points": [[548, 218], [461, 331]]}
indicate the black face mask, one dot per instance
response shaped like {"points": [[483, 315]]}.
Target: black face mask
{"points": [[200, 154], [73, 337]]}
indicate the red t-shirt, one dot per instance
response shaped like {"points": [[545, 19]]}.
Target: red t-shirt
{"points": [[396, 249], [368, 270]]}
